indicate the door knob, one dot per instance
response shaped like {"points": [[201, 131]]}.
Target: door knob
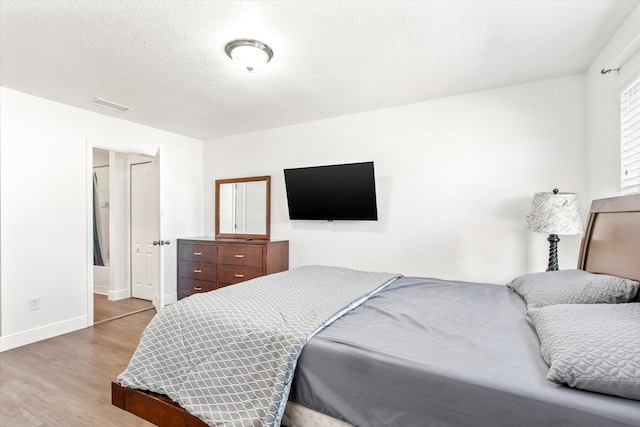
{"points": [[161, 242]]}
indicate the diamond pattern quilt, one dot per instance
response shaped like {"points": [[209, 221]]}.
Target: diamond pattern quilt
{"points": [[228, 356]]}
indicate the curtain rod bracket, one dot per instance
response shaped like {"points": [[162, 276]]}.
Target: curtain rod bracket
{"points": [[603, 71]]}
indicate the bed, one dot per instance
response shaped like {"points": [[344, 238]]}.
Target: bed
{"points": [[431, 352]]}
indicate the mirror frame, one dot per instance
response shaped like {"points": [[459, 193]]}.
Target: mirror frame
{"points": [[265, 236]]}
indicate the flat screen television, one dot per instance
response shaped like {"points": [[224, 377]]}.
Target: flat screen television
{"points": [[333, 192]]}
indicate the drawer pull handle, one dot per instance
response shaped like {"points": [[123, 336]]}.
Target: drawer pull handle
{"points": [[197, 253], [239, 275], [197, 288], [239, 256], [197, 271]]}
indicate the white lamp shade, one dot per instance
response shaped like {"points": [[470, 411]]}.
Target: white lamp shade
{"points": [[555, 213]]}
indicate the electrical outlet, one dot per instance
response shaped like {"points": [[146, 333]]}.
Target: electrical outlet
{"points": [[34, 303]]}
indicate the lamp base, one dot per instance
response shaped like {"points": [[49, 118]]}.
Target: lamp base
{"points": [[553, 240]]}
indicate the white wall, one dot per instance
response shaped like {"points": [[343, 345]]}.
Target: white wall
{"points": [[603, 106], [100, 157], [455, 178], [119, 276], [43, 211]]}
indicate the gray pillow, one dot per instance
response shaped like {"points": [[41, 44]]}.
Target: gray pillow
{"points": [[572, 287], [593, 347]]}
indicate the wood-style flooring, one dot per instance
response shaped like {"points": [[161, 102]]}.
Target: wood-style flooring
{"points": [[103, 309], [66, 380]]}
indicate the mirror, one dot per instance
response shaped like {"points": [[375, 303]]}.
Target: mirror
{"points": [[243, 208]]}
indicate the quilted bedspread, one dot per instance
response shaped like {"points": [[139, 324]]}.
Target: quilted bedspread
{"points": [[229, 356]]}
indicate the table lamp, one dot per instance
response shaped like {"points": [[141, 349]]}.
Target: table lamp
{"points": [[554, 213]]}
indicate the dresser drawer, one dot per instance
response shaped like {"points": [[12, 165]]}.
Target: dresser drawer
{"points": [[240, 255], [206, 264], [198, 270], [198, 253], [188, 287], [230, 274]]}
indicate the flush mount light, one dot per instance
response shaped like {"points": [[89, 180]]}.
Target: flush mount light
{"points": [[249, 55]]}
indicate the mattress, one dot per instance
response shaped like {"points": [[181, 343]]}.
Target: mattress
{"points": [[428, 352]]}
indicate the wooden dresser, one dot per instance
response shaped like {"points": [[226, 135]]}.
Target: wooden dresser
{"points": [[206, 264]]}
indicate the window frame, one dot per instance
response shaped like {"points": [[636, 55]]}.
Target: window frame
{"points": [[630, 138]]}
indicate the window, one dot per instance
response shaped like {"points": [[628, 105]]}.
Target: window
{"points": [[630, 136]]}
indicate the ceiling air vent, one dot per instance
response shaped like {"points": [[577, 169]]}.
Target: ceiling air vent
{"points": [[111, 105]]}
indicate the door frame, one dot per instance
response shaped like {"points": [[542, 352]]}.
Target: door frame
{"points": [[121, 148]]}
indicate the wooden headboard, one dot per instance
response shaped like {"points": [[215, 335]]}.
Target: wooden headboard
{"points": [[611, 242]]}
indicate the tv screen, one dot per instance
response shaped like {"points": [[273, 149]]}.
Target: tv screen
{"points": [[334, 192]]}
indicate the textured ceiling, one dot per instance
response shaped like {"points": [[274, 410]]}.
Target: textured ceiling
{"points": [[166, 59]]}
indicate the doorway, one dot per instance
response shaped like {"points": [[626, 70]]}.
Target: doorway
{"points": [[115, 211]]}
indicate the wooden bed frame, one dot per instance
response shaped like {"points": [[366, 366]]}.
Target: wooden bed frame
{"points": [[611, 242], [611, 245]]}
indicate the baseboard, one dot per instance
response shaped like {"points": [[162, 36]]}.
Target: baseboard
{"points": [[170, 298], [101, 292], [45, 332], [119, 294]]}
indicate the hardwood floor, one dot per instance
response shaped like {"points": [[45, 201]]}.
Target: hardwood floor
{"points": [[103, 309], [66, 380]]}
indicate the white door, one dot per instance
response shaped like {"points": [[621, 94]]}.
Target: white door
{"points": [[157, 267], [142, 233]]}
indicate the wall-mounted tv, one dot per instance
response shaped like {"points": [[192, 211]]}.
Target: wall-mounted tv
{"points": [[333, 192]]}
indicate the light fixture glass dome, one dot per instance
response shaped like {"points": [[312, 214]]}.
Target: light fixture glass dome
{"points": [[249, 55]]}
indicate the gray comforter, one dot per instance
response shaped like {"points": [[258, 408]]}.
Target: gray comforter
{"points": [[428, 352], [229, 356]]}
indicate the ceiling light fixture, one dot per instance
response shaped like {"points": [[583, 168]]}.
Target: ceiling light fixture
{"points": [[249, 55]]}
